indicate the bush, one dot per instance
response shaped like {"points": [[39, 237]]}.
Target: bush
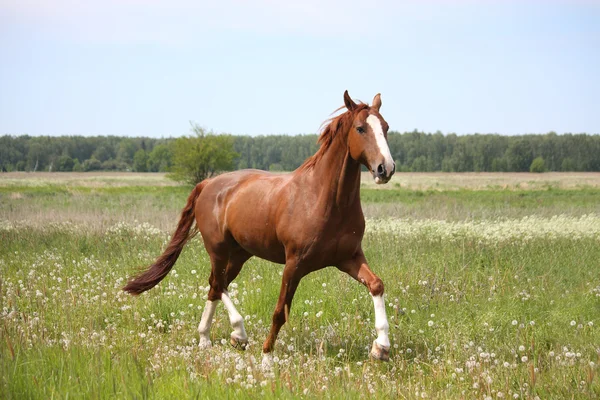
{"points": [[196, 158], [77, 167], [92, 164], [538, 165], [114, 165], [65, 163]]}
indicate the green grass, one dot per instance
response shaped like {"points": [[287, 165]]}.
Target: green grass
{"points": [[159, 205], [68, 331]]}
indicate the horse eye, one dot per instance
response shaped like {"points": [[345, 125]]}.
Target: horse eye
{"points": [[360, 129]]}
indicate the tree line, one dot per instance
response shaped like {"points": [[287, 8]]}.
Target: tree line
{"points": [[412, 151]]}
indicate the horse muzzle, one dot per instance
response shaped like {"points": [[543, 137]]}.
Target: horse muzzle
{"points": [[383, 174]]}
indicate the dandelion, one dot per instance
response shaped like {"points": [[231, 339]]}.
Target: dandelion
{"points": [[319, 314], [430, 323], [573, 323], [524, 359], [514, 322]]}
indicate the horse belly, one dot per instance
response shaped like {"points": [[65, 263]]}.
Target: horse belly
{"points": [[274, 253], [252, 229]]}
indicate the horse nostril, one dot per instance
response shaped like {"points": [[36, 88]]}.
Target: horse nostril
{"points": [[393, 168], [381, 170]]}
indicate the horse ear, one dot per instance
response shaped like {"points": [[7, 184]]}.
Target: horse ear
{"points": [[376, 102], [350, 105]]}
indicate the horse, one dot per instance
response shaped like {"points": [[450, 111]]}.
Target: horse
{"points": [[307, 220]]}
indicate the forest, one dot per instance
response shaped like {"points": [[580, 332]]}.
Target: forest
{"points": [[413, 151]]}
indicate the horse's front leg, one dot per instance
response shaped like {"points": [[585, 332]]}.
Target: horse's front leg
{"points": [[358, 268]]}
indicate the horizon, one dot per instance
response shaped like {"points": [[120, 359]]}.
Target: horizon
{"points": [[392, 131], [146, 69]]}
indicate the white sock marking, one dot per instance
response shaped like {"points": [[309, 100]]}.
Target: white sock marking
{"points": [[236, 320], [381, 322], [384, 149], [206, 322]]}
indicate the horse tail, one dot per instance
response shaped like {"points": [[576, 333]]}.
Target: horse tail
{"points": [[163, 264]]}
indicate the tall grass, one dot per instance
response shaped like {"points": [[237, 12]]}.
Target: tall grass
{"points": [[472, 315]]}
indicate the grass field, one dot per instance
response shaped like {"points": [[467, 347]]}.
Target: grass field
{"points": [[492, 287]]}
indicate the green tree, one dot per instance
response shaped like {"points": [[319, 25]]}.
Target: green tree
{"points": [[567, 165], [159, 159], [92, 164], [126, 151], [77, 167], [519, 155], [102, 152], [37, 156], [419, 164], [65, 163], [537, 165], [201, 156], [140, 160]]}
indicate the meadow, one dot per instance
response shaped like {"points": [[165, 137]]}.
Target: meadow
{"points": [[492, 288]]}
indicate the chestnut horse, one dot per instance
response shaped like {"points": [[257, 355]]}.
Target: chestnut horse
{"points": [[308, 219]]}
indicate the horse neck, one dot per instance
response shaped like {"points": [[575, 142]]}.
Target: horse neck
{"points": [[338, 176]]}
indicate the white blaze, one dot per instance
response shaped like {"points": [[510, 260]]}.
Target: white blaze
{"points": [[384, 149], [381, 322]]}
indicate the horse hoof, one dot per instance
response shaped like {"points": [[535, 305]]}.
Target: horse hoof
{"points": [[239, 344], [379, 352]]}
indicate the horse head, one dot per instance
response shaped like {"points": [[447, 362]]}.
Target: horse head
{"points": [[367, 139]]}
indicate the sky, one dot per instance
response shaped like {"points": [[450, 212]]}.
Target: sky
{"points": [[148, 67]]}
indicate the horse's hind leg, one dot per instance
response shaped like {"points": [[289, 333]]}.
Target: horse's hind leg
{"points": [[239, 338], [206, 322], [217, 285], [224, 270]]}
